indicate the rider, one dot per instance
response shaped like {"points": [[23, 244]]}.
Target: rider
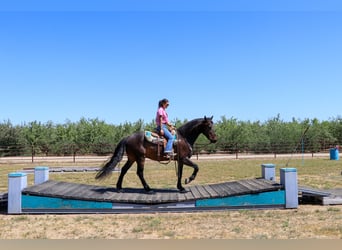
{"points": [[164, 126]]}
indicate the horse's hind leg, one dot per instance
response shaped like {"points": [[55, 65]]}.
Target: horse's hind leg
{"points": [[124, 170], [140, 173]]}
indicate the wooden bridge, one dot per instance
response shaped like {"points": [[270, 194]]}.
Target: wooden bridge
{"points": [[49, 196], [53, 196]]}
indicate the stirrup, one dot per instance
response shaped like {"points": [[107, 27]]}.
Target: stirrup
{"points": [[169, 155]]}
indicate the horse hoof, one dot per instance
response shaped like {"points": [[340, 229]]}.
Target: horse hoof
{"points": [[120, 190], [188, 180], [183, 191]]}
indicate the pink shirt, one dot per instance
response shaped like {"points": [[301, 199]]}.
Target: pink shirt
{"points": [[161, 112]]}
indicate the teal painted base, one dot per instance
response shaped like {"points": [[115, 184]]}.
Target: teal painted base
{"points": [[261, 199], [274, 198], [40, 202]]}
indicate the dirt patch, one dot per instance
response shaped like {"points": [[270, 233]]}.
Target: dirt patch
{"points": [[306, 222]]}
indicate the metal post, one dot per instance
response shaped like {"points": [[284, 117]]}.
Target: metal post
{"points": [[16, 183], [268, 171], [41, 175], [288, 178]]}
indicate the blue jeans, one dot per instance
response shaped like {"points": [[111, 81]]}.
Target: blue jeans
{"points": [[169, 137]]}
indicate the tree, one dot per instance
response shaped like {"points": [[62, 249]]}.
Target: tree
{"points": [[335, 129], [47, 138], [231, 134], [283, 136], [10, 140], [32, 134]]}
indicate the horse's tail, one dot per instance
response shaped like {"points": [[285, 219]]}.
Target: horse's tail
{"points": [[109, 166]]}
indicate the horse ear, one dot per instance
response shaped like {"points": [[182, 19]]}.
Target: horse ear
{"points": [[211, 117], [205, 117]]}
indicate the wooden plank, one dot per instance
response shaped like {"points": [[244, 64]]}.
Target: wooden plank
{"points": [[119, 197], [64, 189], [142, 198], [203, 192], [188, 195], [233, 188], [259, 184], [159, 198], [178, 197], [236, 188], [196, 194], [211, 191], [269, 183], [78, 191], [252, 187], [163, 196], [331, 200], [135, 196], [109, 195], [220, 190], [55, 189], [36, 189], [150, 198], [182, 196], [174, 196], [265, 185], [90, 193]]}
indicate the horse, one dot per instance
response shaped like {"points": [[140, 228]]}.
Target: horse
{"points": [[138, 148]]}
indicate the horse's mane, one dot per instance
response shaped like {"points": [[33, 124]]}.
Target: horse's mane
{"points": [[190, 125], [190, 130]]}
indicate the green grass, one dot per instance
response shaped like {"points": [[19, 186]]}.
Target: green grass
{"points": [[306, 222], [316, 173]]}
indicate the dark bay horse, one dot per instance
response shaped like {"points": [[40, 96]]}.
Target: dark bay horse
{"points": [[138, 148]]}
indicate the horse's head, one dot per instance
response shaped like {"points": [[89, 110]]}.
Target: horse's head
{"points": [[208, 129]]}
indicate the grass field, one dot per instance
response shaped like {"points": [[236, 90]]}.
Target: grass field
{"points": [[306, 222]]}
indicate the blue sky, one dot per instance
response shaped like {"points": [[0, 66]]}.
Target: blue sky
{"points": [[249, 61]]}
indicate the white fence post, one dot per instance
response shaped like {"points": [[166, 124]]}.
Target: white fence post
{"points": [[268, 171], [16, 183], [41, 175], [288, 178]]}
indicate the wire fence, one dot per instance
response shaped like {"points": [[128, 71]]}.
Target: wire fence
{"points": [[234, 150]]}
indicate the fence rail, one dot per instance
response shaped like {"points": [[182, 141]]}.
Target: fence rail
{"points": [[223, 149]]}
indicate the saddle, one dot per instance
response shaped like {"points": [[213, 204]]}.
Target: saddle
{"points": [[155, 138]]}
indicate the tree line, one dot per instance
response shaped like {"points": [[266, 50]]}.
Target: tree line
{"points": [[96, 137]]}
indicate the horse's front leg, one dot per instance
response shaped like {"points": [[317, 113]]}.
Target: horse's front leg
{"points": [[179, 177], [189, 163]]}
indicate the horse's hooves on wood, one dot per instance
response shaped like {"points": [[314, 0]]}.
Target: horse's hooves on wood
{"points": [[183, 191]]}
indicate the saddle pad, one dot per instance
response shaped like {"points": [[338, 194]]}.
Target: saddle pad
{"points": [[153, 137]]}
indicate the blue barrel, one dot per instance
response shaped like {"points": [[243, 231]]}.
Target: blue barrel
{"points": [[334, 154]]}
